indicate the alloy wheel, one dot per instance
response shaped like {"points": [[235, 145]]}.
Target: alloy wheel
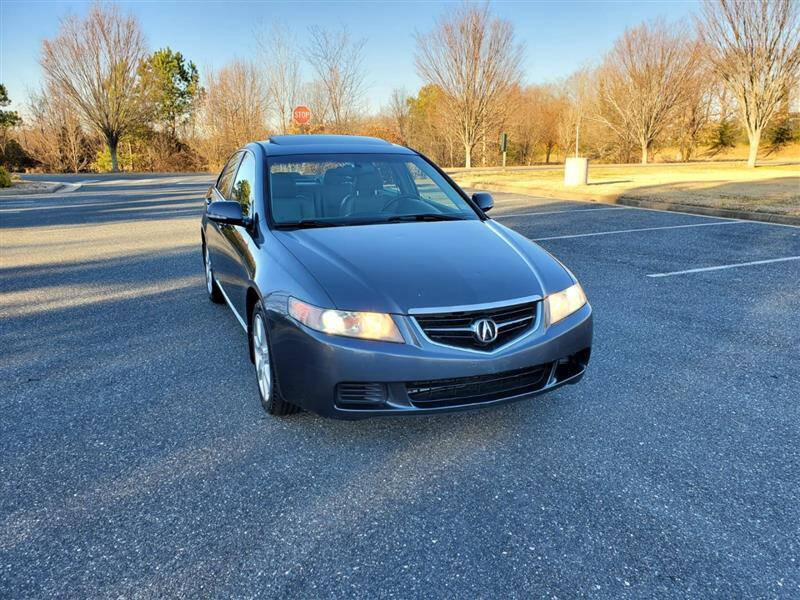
{"points": [[209, 280], [261, 353]]}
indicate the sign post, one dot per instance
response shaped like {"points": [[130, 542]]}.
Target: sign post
{"points": [[301, 115], [504, 147]]}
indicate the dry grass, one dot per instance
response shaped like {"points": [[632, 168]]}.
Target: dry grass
{"points": [[769, 188]]}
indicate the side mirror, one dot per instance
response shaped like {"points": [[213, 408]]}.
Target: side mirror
{"points": [[227, 212], [483, 200]]}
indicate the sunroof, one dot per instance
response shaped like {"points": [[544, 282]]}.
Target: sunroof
{"points": [[311, 140]]}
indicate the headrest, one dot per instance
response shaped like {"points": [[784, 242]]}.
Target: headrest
{"points": [[282, 185], [367, 182], [338, 176]]}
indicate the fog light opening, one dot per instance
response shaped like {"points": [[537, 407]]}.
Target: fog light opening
{"points": [[571, 365]]}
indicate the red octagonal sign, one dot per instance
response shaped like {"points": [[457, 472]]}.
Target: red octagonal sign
{"points": [[301, 115]]}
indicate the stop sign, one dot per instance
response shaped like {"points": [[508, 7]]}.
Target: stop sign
{"points": [[301, 115]]}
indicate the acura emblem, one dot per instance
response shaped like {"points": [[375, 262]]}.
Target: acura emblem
{"points": [[485, 330]]}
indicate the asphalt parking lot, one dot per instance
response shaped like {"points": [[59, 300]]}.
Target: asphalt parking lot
{"points": [[136, 461]]}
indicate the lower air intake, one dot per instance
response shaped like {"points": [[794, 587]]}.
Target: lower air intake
{"points": [[360, 395], [483, 388]]}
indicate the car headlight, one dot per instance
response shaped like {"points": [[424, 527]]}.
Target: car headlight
{"points": [[563, 304], [364, 325]]}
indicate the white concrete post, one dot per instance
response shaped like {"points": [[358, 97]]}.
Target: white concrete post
{"points": [[576, 171]]}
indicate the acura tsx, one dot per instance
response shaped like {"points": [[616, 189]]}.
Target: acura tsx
{"points": [[369, 283]]}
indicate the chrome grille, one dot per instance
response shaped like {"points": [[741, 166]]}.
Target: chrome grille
{"points": [[456, 328]]}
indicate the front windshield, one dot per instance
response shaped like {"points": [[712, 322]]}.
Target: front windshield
{"points": [[340, 189]]}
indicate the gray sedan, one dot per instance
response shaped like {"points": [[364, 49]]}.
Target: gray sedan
{"points": [[369, 284]]}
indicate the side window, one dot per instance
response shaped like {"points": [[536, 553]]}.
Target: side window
{"points": [[243, 190], [225, 178]]}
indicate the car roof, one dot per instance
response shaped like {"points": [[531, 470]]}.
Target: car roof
{"points": [[284, 145]]}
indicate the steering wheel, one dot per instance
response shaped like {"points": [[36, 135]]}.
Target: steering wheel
{"points": [[347, 199], [397, 199]]}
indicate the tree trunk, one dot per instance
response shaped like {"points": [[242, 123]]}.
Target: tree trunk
{"points": [[548, 150], [755, 138], [644, 153], [112, 148], [467, 156]]}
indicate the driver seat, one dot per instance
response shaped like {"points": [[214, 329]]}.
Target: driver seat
{"points": [[367, 197], [336, 185]]}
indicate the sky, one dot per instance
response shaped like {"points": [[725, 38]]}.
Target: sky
{"points": [[559, 37]]}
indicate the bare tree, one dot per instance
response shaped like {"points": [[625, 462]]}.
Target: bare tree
{"points": [[53, 134], [754, 46], [535, 115], [40, 136], [233, 112], [399, 112], [281, 60], [552, 111], [576, 93], [695, 112], [642, 81], [474, 60], [338, 61], [93, 62], [315, 97], [522, 124]]}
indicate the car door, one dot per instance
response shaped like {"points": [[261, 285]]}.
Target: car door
{"points": [[242, 241], [218, 246]]}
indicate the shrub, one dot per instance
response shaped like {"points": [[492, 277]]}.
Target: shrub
{"points": [[725, 135], [782, 133], [15, 158], [102, 162], [5, 178]]}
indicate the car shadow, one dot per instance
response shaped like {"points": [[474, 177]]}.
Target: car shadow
{"points": [[106, 208]]}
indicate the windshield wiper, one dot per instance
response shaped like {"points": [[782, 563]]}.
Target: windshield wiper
{"points": [[424, 217], [304, 223]]}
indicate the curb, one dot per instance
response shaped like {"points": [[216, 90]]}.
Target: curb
{"points": [[51, 188], [707, 211]]}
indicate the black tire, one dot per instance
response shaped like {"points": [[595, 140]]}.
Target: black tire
{"points": [[273, 402], [214, 294]]}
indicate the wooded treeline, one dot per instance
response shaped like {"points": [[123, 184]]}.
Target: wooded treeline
{"points": [[675, 91]]}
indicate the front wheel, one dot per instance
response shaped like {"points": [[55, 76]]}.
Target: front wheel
{"points": [[211, 284], [271, 398]]}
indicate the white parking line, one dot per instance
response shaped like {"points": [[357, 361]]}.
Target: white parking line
{"points": [[16, 203], [578, 235], [720, 267], [556, 212]]}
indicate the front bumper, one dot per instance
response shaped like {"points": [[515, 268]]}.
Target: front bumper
{"points": [[310, 365]]}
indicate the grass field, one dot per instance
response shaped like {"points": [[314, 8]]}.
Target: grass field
{"points": [[773, 188]]}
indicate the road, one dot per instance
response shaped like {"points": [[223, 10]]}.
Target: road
{"points": [[136, 461]]}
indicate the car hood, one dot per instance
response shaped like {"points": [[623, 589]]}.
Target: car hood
{"points": [[401, 266]]}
